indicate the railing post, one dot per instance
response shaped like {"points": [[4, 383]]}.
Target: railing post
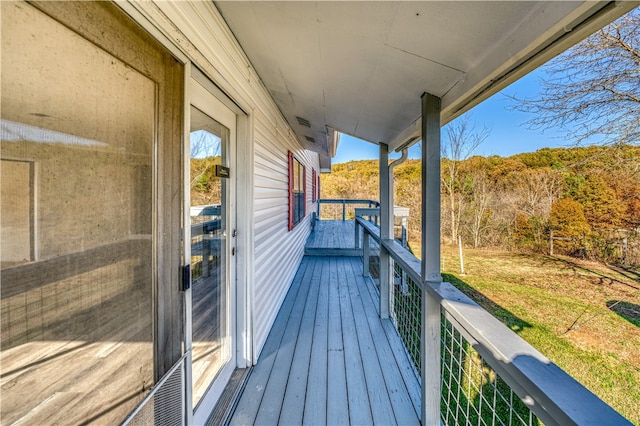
{"points": [[386, 270], [357, 242], [404, 231], [430, 342], [365, 254]]}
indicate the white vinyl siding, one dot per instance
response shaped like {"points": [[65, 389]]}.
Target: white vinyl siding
{"points": [[276, 252]]}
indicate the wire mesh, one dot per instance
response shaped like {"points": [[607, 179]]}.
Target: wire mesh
{"points": [[407, 311], [165, 405], [472, 392], [339, 211]]}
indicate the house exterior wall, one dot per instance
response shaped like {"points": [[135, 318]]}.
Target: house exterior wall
{"points": [[200, 32]]}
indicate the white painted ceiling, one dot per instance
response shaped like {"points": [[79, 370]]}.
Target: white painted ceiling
{"points": [[361, 67]]}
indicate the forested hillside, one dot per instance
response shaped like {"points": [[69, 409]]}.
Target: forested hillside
{"points": [[587, 199]]}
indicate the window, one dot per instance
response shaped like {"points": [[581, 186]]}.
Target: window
{"points": [[297, 190], [17, 212]]}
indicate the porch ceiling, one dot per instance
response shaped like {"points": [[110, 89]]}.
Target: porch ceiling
{"points": [[361, 67]]}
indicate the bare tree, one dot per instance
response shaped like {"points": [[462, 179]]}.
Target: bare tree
{"points": [[479, 211], [462, 138], [593, 89]]}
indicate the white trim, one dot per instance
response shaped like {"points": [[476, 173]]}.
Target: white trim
{"points": [[186, 243], [202, 98], [246, 239]]}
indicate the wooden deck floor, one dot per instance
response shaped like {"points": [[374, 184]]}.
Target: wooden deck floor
{"points": [[329, 359], [334, 238]]}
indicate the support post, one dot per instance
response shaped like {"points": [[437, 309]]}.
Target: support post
{"points": [[386, 224], [430, 341], [365, 254]]}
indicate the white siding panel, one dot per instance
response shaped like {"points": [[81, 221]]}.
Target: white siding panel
{"points": [[199, 31]]}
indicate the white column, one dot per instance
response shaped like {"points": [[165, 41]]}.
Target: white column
{"points": [[430, 342], [386, 224]]}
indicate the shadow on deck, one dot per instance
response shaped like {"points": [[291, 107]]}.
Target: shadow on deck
{"points": [[329, 359]]}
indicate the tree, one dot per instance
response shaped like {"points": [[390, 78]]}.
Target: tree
{"points": [[568, 220], [593, 89], [462, 138], [479, 206]]}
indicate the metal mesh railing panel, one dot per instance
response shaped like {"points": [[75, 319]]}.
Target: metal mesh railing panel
{"points": [[165, 406], [407, 311], [472, 392]]}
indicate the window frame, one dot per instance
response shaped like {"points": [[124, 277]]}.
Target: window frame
{"points": [[297, 196]]}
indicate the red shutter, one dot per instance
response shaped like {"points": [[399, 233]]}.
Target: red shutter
{"points": [[304, 190], [313, 185], [291, 206]]}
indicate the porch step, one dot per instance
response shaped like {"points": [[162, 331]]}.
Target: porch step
{"points": [[318, 251]]}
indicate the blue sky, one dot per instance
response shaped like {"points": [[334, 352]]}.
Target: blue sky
{"points": [[507, 136]]}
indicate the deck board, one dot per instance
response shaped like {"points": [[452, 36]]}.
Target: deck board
{"points": [[316, 394], [381, 408], [359, 407], [336, 403], [270, 408], [294, 397], [329, 358], [388, 348], [247, 408]]}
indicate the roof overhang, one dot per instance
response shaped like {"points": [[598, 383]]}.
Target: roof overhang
{"points": [[360, 67]]}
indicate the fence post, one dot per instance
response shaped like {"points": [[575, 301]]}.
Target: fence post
{"points": [[344, 209]]}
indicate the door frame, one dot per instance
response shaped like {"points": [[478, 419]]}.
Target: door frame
{"points": [[201, 97]]}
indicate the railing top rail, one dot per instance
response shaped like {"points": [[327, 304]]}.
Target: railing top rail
{"points": [[553, 395], [347, 201], [369, 227]]}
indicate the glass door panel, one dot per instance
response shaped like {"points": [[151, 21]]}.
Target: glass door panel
{"points": [[211, 341]]}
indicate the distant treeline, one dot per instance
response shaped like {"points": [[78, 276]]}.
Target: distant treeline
{"points": [[586, 199]]}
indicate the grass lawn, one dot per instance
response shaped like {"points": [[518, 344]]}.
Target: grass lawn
{"points": [[584, 316]]}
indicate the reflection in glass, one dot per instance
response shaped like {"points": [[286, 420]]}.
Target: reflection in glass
{"points": [[77, 267], [210, 294]]}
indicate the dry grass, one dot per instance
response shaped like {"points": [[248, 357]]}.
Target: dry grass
{"points": [[584, 316]]}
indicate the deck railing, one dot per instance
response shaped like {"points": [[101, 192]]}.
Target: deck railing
{"points": [[341, 208], [488, 374]]}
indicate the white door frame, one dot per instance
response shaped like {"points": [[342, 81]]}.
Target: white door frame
{"points": [[207, 102]]}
